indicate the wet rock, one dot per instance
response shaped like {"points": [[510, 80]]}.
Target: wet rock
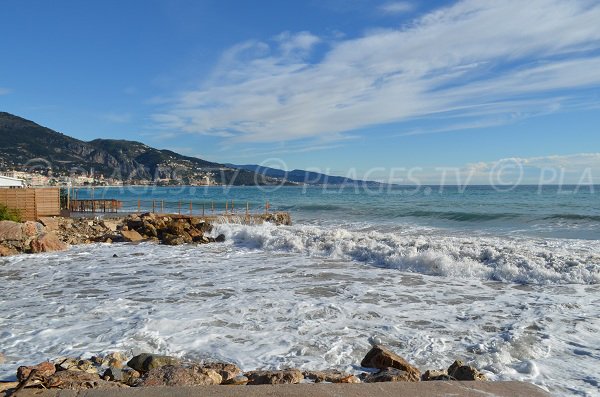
{"points": [[382, 358], [47, 242], [433, 374], [390, 375], [44, 369], [76, 380], [171, 375], [172, 239], [459, 371], [274, 377], [330, 376], [145, 362], [226, 370], [131, 236], [220, 238]]}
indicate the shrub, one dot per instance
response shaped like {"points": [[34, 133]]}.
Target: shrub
{"points": [[6, 214]]}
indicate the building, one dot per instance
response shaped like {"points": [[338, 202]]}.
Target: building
{"points": [[8, 182]]}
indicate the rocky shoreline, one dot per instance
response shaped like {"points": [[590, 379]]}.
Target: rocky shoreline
{"points": [[117, 370], [56, 234]]}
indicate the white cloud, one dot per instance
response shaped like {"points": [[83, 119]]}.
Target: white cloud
{"points": [[396, 7], [5, 91], [472, 59]]}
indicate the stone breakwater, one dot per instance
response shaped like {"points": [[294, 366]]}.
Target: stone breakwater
{"points": [[116, 370], [56, 234]]}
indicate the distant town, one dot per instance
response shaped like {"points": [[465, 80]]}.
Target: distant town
{"points": [[50, 178]]}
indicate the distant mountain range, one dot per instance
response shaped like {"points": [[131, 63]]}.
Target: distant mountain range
{"points": [[302, 176], [25, 145]]}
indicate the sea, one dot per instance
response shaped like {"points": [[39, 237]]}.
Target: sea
{"points": [[505, 279]]}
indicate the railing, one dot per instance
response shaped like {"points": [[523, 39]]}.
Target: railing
{"points": [[180, 207]]}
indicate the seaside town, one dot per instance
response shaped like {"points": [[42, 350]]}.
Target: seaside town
{"points": [[49, 178]]}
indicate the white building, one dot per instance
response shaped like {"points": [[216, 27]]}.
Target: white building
{"points": [[6, 181]]}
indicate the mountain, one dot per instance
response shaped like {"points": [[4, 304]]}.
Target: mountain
{"points": [[25, 145], [302, 176]]}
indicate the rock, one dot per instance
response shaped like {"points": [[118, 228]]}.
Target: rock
{"points": [[127, 376], [382, 358], [44, 369], [171, 239], [459, 371], [433, 374], [145, 362], [274, 377], [171, 375], [76, 365], [7, 251], [220, 238], [389, 375], [116, 356], [32, 229], [51, 224], [238, 380], [8, 387], [226, 370], [76, 380], [10, 231], [113, 374], [47, 242], [331, 377], [131, 236]]}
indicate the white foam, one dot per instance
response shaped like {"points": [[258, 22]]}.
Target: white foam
{"points": [[521, 260], [277, 297]]}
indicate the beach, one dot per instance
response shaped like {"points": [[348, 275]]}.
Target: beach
{"points": [[507, 282]]}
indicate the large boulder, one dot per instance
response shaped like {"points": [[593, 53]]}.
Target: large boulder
{"points": [[11, 231], [47, 242], [274, 377], [146, 361], [172, 375], [382, 358], [131, 236]]}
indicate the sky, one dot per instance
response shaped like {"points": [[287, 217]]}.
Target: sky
{"points": [[365, 88]]}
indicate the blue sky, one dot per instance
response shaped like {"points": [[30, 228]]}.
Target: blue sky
{"points": [[336, 85]]}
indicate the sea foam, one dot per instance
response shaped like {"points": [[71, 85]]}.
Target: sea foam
{"points": [[508, 259]]}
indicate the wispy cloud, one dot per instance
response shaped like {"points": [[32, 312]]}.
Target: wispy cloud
{"points": [[472, 59], [5, 91], [396, 7]]}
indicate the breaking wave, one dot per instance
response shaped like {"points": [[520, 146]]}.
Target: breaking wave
{"points": [[516, 260]]}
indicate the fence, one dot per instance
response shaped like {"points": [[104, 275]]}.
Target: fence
{"points": [[32, 204]]}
